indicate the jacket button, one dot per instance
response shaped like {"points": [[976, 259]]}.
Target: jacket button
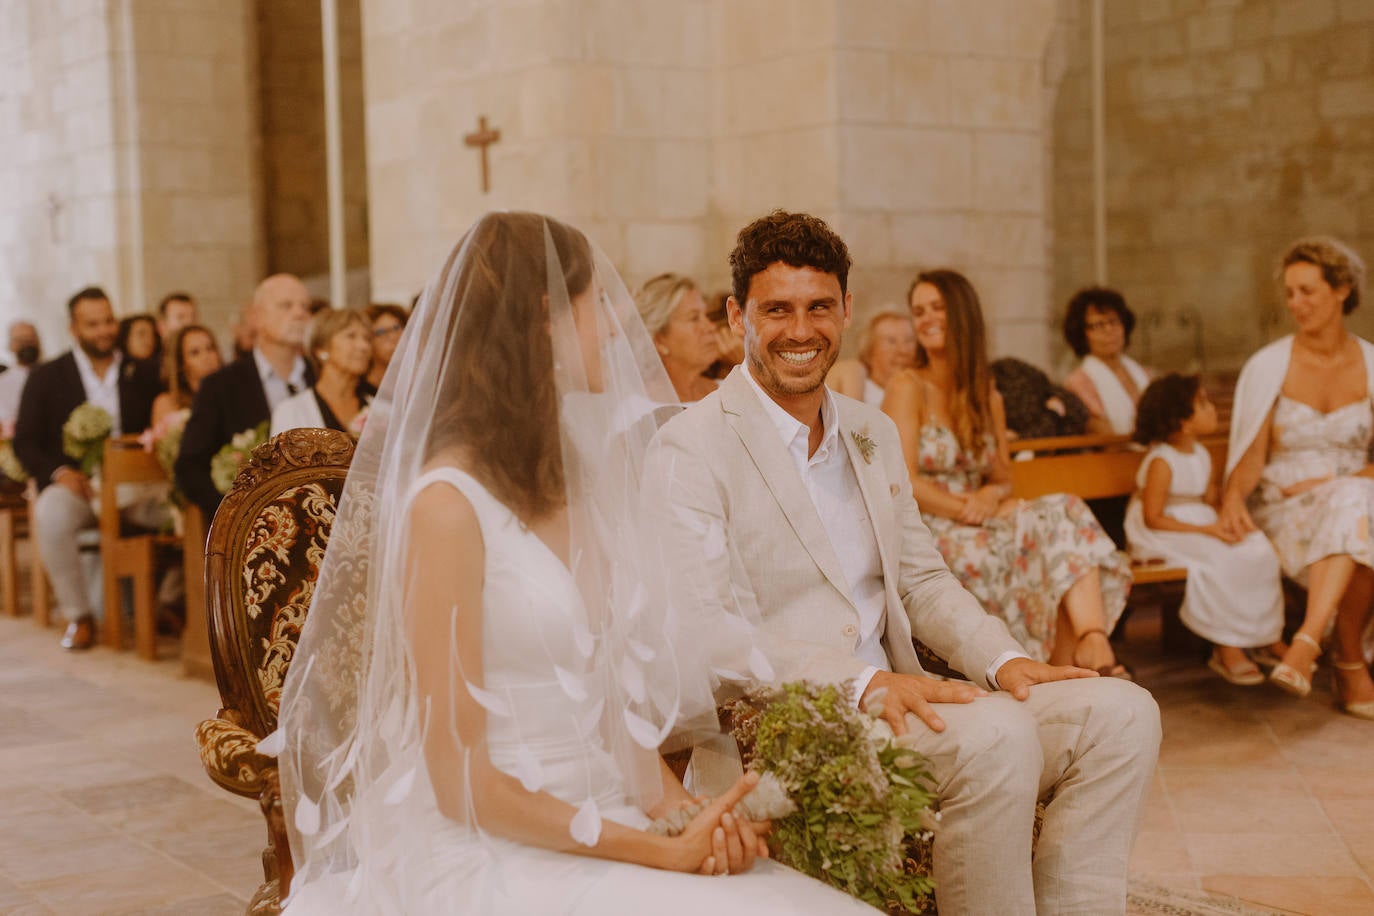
{"points": [[850, 630]]}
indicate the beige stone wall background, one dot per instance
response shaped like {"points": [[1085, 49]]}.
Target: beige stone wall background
{"points": [[193, 189], [603, 110], [1232, 128], [296, 211], [661, 126], [58, 170]]}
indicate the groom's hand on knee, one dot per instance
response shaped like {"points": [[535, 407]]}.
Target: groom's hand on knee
{"points": [[914, 694]]}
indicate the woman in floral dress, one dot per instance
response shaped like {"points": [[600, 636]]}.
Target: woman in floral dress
{"points": [[1045, 566], [1299, 466]]}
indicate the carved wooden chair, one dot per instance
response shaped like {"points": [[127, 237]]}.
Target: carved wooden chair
{"points": [[261, 561]]}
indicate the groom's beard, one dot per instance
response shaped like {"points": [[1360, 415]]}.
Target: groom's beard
{"points": [[766, 371]]}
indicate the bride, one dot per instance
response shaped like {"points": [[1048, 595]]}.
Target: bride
{"points": [[473, 717]]}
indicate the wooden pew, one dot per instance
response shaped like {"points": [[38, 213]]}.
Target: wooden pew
{"points": [[1110, 471]]}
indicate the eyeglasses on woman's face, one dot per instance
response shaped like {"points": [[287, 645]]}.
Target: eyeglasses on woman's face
{"points": [[384, 331], [1104, 323]]}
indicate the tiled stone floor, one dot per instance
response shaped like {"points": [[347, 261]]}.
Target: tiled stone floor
{"points": [[104, 807]]}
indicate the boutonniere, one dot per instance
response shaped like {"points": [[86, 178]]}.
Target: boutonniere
{"points": [[865, 444]]}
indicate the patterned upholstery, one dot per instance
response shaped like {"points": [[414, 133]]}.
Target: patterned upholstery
{"points": [[263, 556]]}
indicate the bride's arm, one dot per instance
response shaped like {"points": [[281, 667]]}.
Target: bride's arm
{"points": [[443, 602]]}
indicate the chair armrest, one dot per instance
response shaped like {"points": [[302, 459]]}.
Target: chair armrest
{"points": [[229, 754]]}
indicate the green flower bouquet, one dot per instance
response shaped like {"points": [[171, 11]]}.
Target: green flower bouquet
{"points": [[224, 467], [84, 435], [863, 817], [9, 463]]}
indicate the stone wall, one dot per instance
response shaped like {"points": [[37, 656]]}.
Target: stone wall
{"points": [[1232, 128], [128, 157], [58, 168], [296, 205], [193, 207], [661, 126]]}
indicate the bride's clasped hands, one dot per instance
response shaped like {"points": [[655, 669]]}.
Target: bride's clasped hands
{"points": [[718, 841]]}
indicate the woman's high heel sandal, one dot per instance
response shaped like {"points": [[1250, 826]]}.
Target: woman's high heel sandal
{"points": [[1290, 679], [1361, 710]]}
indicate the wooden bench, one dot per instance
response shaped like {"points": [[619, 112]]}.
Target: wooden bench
{"points": [[1108, 470]]}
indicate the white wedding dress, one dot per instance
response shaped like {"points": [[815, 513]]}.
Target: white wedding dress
{"points": [[533, 614]]}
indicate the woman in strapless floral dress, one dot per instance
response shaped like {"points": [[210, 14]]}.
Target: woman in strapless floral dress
{"points": [[1045, 566], [1299, 466]]}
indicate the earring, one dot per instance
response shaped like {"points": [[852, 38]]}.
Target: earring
{"points": [[322, 356]]}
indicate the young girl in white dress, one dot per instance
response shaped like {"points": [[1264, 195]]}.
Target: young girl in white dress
{"points": [[1233, 597]]}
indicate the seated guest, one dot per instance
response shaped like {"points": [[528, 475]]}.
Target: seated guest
{"points": [[729, 342], [887, 346], [675, 315], [388, 321], [192, 356], [27, 351], [174, 312], [93, 371], [1098, 329], [242, 333], [1298, 466], [339, 350], [1044, 566], [1234, 595], [1037, 407], [137, 338], [242, 395]]}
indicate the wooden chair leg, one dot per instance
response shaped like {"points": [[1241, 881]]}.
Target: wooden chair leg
{"points": [[145, 604], [112, 624], [9, 565]]}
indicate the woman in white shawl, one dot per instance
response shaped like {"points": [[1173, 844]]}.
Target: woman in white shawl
{"points": [[1097, 327], [1299, 469]]}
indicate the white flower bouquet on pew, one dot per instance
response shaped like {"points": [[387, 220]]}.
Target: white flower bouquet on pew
{"points": [[84, 435], [224, 467]]}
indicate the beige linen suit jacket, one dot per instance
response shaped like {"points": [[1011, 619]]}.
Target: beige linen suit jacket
{"points": [[721, 463]]}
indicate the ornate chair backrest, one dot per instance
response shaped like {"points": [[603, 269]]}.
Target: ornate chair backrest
{"points": [[262, 558]]}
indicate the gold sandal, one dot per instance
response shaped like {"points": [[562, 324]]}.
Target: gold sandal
{"points": [[1361, 710], [1290, 679]]}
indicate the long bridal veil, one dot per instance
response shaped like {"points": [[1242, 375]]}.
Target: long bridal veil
{"points": [[526, 364]]}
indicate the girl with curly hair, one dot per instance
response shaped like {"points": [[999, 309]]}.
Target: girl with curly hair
{"points": [[1234, 597]]}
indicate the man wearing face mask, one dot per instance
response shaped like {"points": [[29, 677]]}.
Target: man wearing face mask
{"points": [[93, 371], [27, 351]]}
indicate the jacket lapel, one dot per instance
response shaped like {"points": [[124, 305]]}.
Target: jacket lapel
{"points": [[877, 498], [756, 431]]}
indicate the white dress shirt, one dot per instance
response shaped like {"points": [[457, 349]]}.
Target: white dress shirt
{"points": [[102, 390], [276, 388], [830, 479], [834, 489]]}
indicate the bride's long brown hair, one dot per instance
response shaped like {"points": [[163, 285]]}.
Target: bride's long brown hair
{"points": [[500, 403], [970, 403]]}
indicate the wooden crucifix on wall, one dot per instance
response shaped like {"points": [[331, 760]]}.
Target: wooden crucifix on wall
{"points": [[483, 138]]}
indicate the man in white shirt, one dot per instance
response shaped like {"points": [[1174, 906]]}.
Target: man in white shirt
{"points": [[94, 372], [241, 396], [27, 352], [824, 550]]}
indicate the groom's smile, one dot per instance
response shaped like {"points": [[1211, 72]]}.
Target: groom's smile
{"points": [[792, 322]]}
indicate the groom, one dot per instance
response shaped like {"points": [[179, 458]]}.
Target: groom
{"points": [[825, 549]]}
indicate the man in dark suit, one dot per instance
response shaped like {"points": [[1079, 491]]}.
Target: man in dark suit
{"points": [[243, 393], [92, 371]]}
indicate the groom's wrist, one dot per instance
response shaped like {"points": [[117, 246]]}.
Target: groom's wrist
{"points": [[997, 664]]}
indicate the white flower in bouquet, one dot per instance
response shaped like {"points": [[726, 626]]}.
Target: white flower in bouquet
{"points": [[224, 467], [9, 463], [84, 435]]}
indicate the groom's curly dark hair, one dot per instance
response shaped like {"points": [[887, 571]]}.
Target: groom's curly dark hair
{"points": [[795, 239]]}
